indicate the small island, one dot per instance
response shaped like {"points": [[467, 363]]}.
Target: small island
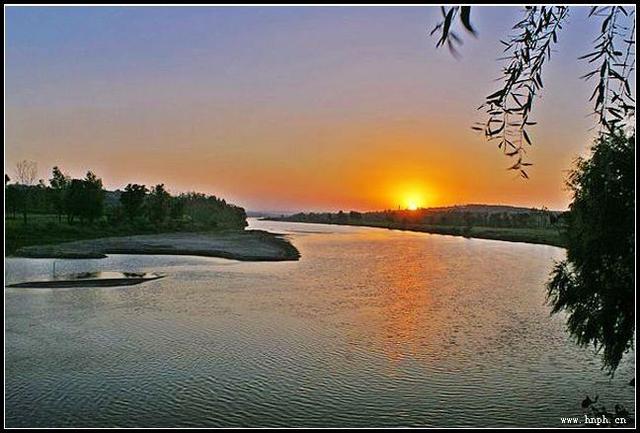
{"points": [[78, 219]]}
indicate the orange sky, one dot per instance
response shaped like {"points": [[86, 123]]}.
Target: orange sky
{"points": [[283, 108]]}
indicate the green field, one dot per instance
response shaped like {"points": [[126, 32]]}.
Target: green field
{"points": [[528, 235], [42, 229]]}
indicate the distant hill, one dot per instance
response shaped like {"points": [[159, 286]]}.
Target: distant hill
{"points": [[264, 213], [491, 208]]}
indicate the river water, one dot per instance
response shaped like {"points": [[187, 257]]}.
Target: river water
{"points": [[372, 327]]}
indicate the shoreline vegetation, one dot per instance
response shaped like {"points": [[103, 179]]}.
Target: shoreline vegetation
{"points": [[493, 222], [78, 218]]}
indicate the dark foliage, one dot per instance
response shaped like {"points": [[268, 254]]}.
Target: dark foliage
{"points": [[595, 285], [136, 207], [84, 199], [132, 199]]}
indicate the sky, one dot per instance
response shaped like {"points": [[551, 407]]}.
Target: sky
{"points": [[285, 108]]}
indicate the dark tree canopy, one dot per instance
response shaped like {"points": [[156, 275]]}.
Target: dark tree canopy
{"points": [[595, 285], [93, 197], [59, 183], [84, 198], [158, 204], [58, 179], [132, 199]]}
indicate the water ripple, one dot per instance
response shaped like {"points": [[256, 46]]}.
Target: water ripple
{"points": [[370, 328]]}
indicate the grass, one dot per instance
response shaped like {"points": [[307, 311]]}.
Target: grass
{"points": [[45, 229]]}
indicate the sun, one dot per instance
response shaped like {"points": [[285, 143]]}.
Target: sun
{"points": [[411, 196], [413, 201]]}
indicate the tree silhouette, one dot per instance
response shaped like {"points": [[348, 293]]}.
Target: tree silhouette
{"points": [[93, 197], [132, 199], [84, 198], [59, 183], [26, 172], [595, 285], [158, 204]]}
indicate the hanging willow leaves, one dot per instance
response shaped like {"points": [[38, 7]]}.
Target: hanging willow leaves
{"points": [[465, 18], [527, 51], [594, 286], [614, 102]]}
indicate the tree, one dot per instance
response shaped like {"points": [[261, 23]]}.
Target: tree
{"points": [[73, 200], [93, 197], [158, 204], [595, 284], [13, 198], [176, 208], [40, 201], [84, 198], [26, 172], [59, 182], [211, 211], [132, 199]]}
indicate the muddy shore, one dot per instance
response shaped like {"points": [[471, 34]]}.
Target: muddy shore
{"points": [[245, 245]]}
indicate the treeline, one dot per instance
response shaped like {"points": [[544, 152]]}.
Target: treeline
{"points": [[85, 201], [459, 216]]}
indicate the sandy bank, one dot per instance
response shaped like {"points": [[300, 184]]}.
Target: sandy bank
{"points": [[247, 245]]}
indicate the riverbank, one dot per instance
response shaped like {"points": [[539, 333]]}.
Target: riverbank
{"points": [[245, 245], [527, 235]]}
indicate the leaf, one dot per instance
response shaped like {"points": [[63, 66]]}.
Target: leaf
{"points": [[604, 24], [594, 53], [495, 95], [516, 166], [465, 15]]}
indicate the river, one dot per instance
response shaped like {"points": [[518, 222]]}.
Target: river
{"points": [[372, 327]]}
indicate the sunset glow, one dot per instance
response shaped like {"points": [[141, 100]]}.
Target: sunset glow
{"points": [[414, 201], [298, 119]]}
